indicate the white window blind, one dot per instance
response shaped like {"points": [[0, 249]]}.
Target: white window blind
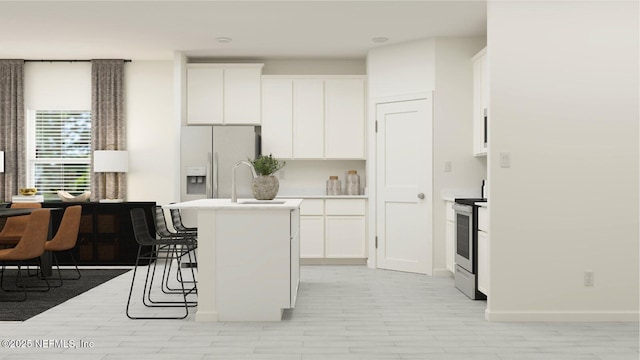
{"points": [[60, 151]]}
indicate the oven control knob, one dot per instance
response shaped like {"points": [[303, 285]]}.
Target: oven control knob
{"points": [[421, 196]]}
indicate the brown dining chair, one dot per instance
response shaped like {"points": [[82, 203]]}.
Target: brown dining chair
{"points": [[15, 225], [30, 246], [65, 239]]}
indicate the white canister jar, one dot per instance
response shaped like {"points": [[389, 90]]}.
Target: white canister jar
{"points": [[334, 187], [352, 183]]}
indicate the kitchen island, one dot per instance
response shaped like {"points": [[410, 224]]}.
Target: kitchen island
{"points": [[248, 258]]}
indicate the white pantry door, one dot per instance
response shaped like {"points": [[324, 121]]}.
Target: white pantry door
{"points": [[404, 183]]}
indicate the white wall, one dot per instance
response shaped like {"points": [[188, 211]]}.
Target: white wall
{"points": [[564, 103], [406, 68], [453, 131], [151, 132]]}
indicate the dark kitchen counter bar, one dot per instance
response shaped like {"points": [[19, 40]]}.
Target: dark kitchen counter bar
{"points": [[106, 235]]}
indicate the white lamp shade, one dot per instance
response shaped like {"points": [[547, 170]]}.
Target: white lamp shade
{"points": [[111, 161], [1, 161]]}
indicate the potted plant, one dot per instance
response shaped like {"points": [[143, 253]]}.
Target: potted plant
{"points": [[265, 186]]}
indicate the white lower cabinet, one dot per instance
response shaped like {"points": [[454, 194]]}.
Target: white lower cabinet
{"points": [[333, 229], [312, 238], [345, 236], [483, 251], [295, 257], [451, 246], [451, 238], [483, 262]]}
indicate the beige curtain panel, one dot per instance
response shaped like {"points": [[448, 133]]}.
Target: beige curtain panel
{"points": [[12, 134], [108, 124]]}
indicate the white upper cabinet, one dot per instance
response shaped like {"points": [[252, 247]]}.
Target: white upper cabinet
{"points": [[242, 95], [326, 119], [480, 102], [277, 117], [344, 119], [223, 94], [308, 117], [205, 95]]}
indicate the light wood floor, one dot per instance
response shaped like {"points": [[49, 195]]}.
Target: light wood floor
{"points": [[343, 312]]}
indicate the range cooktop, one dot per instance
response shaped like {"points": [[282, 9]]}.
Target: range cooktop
{"points": [[469, 201]]}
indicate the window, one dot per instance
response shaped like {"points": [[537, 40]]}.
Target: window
{"points": [[59, 151]]}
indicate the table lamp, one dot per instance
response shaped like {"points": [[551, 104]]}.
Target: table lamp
{"points": [[110, 161]]}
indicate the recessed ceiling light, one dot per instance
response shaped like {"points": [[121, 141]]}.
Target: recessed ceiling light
{"points": [[379, 40], [223, 39]]}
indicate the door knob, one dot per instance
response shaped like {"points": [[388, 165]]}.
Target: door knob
{"points": [[421, 196]]}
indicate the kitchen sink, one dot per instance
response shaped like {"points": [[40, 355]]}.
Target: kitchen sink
{"points": [[262, 202]]}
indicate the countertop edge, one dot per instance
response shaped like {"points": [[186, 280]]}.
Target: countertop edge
{"points": [[224, 204], [323, 197]]}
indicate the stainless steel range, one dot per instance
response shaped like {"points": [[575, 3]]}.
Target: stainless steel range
{"points": [[467, 247]]}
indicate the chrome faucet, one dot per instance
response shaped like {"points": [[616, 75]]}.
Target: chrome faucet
{"points": [[234, 194]]}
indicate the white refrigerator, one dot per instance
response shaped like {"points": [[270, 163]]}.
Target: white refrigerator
{"points": [[207, 157]]}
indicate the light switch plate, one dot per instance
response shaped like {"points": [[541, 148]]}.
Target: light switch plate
{"points": [[588, 278], [505, 160]]}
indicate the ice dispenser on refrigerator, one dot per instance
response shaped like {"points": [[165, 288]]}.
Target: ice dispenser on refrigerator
{"points": [[196, 180]]}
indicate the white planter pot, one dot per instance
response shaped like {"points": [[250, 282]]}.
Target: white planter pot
{"points": [[265, 187]]}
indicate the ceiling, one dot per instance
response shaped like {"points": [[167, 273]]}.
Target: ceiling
{"points": [[149, 30]]}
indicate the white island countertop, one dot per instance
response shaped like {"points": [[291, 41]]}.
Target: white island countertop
{"points": [[242, 204]]}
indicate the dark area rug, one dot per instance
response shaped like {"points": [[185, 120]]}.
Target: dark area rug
{"points": [[38, 302]]}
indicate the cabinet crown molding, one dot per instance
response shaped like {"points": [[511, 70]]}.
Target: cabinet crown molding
{"points": [[225, 65], [479, 54], [320, 77]]}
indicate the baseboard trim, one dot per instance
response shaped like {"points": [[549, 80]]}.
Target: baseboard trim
{"points": [[202, 315], [309, 261], [559, 316], [444, 272]]}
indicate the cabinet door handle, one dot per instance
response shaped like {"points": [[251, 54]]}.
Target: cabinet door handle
{"points": [[421, 196]]}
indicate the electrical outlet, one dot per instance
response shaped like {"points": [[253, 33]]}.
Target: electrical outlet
{"points": [[281, 175], [588, 278], [447, 166], [505, 160]]}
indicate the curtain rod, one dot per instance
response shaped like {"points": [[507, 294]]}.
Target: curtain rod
{"points": [[43, 60]]}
